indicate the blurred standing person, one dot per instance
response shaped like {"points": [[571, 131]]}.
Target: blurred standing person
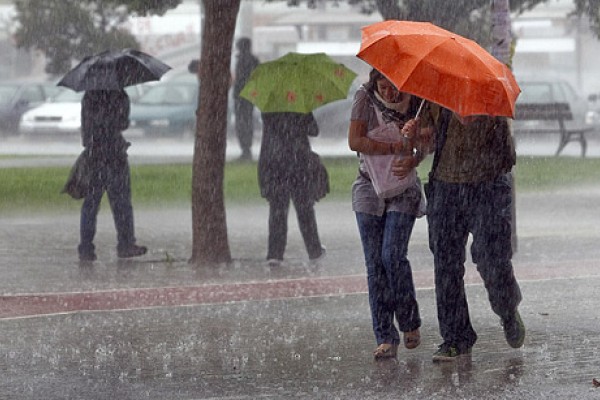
{"points": [[244, 127], [289, 170], [385, 224], [104, 115], [469, 192]]}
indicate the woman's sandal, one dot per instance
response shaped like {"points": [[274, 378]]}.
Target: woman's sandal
{"points": [[412, 339], [385, 350]]}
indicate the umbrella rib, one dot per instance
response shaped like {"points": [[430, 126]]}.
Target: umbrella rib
{"points": [[454, 73], [440, 66]]}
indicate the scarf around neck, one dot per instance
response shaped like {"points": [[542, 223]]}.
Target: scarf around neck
{"points": [[389, 111]]}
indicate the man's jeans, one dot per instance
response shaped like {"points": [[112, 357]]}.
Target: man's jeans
{"points": [[484, 210], [389, 275], [114, 178]]}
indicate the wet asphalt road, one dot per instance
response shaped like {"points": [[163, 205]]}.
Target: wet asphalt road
{"points": [[154, 329]]}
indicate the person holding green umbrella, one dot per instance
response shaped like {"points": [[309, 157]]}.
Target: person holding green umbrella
{"points": [[286, 91], [289, 170]]}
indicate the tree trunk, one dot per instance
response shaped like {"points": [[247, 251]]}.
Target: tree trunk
{"points": [[390, 9], [501, 31], [210, 245], [501, 49]]}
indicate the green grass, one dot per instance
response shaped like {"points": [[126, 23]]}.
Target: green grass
{"points": [[38, 189]]}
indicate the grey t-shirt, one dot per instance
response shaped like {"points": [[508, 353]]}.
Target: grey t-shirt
{"points": [[364, 198]]}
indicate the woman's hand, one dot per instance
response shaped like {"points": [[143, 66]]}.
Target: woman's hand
{"points": [[410, 128], [404, 147], [401, 168]]}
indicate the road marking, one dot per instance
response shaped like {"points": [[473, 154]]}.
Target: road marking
{"points": [[16, 306]]}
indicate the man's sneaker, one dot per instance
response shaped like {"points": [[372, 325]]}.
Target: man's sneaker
{"points": [[449, 353], [132, 251], [514, 330]]}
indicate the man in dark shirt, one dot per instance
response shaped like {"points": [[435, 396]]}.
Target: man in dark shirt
{"points": [[469, 192], [246, 62]]}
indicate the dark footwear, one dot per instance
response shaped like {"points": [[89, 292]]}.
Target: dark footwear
{"points": [[320, 257], [87, 256], [449, 353], [245, 156], [514, 330], [412, 339], [132, 251], [385, 350], [86, 252], [274, 262]]}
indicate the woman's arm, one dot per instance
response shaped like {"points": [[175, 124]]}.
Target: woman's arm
{"points": [[358, 141]]}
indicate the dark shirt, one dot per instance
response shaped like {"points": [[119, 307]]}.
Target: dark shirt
{"points": [[477, 152], [286, 161], [246, 63], [104, 115]]}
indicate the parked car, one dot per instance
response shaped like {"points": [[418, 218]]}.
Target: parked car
{"points": [[18, 97], [166, 109], [540, 91], [334, 118], [62, 114]]}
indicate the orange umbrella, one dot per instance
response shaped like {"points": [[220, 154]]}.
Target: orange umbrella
{"points": [[440, 66]]}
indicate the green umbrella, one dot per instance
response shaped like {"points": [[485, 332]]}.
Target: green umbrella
{"points": [[297, 83]]}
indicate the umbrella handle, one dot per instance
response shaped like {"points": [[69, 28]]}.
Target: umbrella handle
{"points": [[420, 108]]}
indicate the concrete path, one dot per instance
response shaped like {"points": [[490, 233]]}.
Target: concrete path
{"points": [[157, 328]]}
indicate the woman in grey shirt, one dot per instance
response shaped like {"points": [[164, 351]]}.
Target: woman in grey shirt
{"points": [[385, 224]]}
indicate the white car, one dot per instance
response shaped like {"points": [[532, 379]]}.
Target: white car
{"points": [[62, 114]]}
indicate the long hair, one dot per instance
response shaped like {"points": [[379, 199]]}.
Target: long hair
{"points": [[374, 76], [388, 114]]}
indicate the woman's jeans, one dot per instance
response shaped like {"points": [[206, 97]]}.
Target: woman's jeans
{"points": [[114, 178], [389, 275]]}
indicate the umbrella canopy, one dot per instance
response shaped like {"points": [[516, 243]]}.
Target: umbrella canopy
{"points": [[113, 70], [440, 66], [297, 83]]}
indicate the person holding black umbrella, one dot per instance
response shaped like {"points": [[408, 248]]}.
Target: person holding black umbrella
{"points": [[104, 115]]}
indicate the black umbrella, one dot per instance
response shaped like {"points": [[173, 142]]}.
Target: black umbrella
{"points": [[113, 70]]}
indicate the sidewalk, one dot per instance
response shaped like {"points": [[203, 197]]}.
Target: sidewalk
{"points": [[156, 328], [310, 347]]}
